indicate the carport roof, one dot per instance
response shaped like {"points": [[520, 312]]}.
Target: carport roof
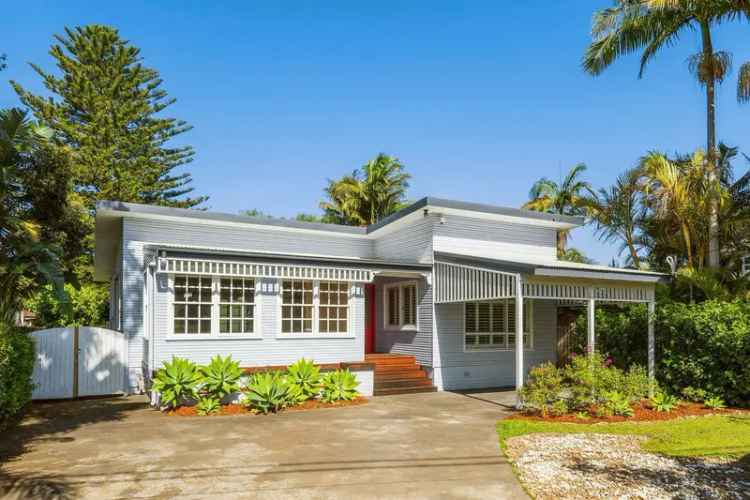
{"points": [[552, 268]]}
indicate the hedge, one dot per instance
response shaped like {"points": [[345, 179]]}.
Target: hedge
{"points": [[703, 346], [16, 366]]}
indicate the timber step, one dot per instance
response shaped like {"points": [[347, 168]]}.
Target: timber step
{"points": [[398, 374]]}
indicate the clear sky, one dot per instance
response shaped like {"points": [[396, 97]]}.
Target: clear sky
{"points": [[478, 99]]}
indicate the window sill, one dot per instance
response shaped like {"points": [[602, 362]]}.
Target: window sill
{"points": [[315, 336], [195, 336], [398, 329]]}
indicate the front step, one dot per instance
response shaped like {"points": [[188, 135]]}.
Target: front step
{"points": [[411, 390], [398, 374]]}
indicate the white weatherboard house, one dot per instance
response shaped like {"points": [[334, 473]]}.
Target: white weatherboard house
{"points": [[441, 295]]}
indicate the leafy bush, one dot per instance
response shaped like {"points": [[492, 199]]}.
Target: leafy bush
{"points": [[17, 353], [714, 403], [306, 376], [176, 381], [617, 403], [208, 405], [87, 306], [703, 346], [694, 395], [588, 381], [220, 377], [664, 402], [339, 385], [267, 392], [543, 388]]}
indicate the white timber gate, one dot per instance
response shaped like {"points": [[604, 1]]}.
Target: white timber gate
{"points": [[78, 361]]}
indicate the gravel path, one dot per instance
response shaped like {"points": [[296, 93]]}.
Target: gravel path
{"points": [[587, 466]]}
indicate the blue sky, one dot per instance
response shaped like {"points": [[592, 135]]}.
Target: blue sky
{"points": [[478, 99]]}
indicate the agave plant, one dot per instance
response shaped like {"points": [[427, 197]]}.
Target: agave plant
{"points": [[306, 376], [267, 392], [221, 376], [176, 381], [339, 385], [664, 402], [207, 406], [714, 403]]}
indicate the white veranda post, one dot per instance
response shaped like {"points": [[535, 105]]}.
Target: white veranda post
{"points": [[651, 345], [519, 336], [591, 324]]}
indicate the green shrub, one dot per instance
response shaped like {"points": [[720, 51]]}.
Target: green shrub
{"points": [[208, 405], [636, 384], [695, 395], [543, 388], [339, 385], [617, 403], [176, 381], [17, 353], [703, 346], [714, 403], [664, 402], [267, 392], [220, 377], [86, 306], [306, 376]]}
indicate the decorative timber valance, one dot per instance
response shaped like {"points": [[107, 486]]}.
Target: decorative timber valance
{"points": [[262, 269], [461, 283]]}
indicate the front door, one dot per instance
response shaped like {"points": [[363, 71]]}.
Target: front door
{"points": [[370, 318]]}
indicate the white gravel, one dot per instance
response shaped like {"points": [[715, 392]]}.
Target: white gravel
{"points": [[588, 466]]}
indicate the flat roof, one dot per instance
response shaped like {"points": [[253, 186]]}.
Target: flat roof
{"points": [[121, 208], [553, 268]]}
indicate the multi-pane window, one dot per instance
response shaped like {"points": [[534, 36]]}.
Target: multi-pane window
{"points": [[296, 306], [492, 324], [401, 305], [192, 304], [333, 299], [236, 305]]}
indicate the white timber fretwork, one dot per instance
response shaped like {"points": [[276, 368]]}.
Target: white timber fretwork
{"points": [[262, 270], [461, 283]]}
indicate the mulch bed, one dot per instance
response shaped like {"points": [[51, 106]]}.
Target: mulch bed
{"points": [[237, 409], [643, 412]]}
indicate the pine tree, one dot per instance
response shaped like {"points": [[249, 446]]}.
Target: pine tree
{"points": [[106, 109]]}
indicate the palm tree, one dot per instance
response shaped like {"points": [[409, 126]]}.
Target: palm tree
{"points": [[25, 262], [567, 198], [367, 196], [619, 215], [651, 25]]}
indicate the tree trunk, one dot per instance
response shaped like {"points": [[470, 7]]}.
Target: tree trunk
{"points": [[688, 244], [711, 156], [634, 255], [562, 237]]}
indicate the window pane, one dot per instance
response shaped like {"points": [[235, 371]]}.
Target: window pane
{"points": [[324, 327], [249, 326], [192, 311], [192, 326], [342, 325], [498, 316], [179, 326], [179, 310], [224, 326], [205, 311], [205, 326], [498, 340], [286, 326], [236, 325], [236, 311], [307, 326], [471, 317], [484, 339], [249, 311], [237, 295], [224, 311], [483, 317]]}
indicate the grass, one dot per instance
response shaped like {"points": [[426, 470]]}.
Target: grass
{"points": [[718, 435]]}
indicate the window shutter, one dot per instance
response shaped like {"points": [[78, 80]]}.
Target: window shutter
{"points": [[483, 317], [393, 305], [498, 316], [511, 305], [471, 317]]}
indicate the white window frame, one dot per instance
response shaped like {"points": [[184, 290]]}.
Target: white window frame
{"points": [[316, 333], [510, 304], [215, 300], [401, 326]]}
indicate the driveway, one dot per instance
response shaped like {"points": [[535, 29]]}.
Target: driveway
{"points": [[434, 445]]}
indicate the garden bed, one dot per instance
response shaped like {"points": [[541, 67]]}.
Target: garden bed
{"points": [[642, 412], [238, 409]]}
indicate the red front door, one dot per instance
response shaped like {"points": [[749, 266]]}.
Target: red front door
{"points": [[369, 318]]}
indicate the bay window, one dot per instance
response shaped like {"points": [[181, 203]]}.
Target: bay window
{"points": [[492, 325]]}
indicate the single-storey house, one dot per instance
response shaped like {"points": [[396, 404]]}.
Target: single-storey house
{"points": [[441, 295]]}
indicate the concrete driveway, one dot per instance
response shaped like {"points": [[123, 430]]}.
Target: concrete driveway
{"points": [[434, 445]]}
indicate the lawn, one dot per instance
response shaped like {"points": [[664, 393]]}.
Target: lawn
{"points": [[718, 435]]}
